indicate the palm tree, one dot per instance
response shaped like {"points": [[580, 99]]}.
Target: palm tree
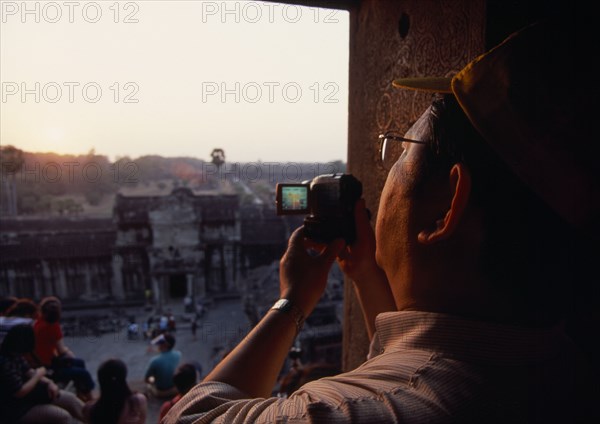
{"points": [[11, 162], [218, 157]]}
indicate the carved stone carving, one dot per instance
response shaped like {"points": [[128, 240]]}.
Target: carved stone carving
{"points": [[392, 39]]}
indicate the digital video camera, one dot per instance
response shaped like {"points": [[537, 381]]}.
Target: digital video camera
{"points": [[327, 200]]}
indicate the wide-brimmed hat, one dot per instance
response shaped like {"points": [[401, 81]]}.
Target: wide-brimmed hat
{"points": [[530, 100]]}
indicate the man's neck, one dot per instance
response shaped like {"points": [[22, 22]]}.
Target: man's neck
{"points": [[448, 287]]}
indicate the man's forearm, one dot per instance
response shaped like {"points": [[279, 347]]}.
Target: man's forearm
{"points": [[253, 366]]}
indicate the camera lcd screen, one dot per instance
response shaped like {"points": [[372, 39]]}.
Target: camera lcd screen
{"points": [[292, 198]]}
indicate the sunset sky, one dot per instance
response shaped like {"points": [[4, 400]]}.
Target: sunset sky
{"points": [[263, 81]]}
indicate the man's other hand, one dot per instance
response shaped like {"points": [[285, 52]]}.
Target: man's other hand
{"points": [[304, 268]]}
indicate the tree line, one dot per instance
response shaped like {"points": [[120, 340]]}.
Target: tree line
{"points": [[50, 183]]}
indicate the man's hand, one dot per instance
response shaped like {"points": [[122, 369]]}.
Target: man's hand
{"points": [[40, 372], [303, 276], [53, 391], [253, 366], [358, 260]]}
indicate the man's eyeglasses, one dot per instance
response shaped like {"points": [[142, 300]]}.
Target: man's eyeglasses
{"points": [[390, 148]]}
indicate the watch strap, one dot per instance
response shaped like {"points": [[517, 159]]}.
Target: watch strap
{"points": [[288, 307]]}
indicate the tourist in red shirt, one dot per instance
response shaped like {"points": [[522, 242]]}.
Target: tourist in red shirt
{"points": [[52, 353]]}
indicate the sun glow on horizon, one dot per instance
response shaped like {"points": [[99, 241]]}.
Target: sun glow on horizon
{"points": [[272, 85]]}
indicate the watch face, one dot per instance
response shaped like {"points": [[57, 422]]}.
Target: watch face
{"points": [[282, 304]]}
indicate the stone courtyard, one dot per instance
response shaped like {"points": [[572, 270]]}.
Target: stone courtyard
{"points": [[221, 327]]}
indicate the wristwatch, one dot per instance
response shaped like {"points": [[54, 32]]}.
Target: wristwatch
{"points": [[286, 306]]}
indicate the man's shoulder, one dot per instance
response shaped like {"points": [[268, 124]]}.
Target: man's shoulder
{"points": [[155, 359], [168, 356], [171, 354]]}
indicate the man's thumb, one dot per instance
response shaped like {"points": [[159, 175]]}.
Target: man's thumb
{"points": [[332, 251]]}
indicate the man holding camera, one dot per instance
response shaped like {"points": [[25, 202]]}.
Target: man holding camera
{"points": [[463, 283]]}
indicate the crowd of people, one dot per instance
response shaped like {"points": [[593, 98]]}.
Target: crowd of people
{"points": [[43, 381]]}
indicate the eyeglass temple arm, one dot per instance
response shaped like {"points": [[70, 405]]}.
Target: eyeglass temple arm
{"points": [[399, 138]]}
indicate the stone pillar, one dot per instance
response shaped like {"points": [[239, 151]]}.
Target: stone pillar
{"points": [[61, 284], [47, 275], [189, 291], [38, 281], [163, 284], [235, 267], [200, 285], [117, 283], [89, 269], [156, 292], [411, 38], [215, 273], [228, 264], [12, 284], [222, 270], [199, 280]]}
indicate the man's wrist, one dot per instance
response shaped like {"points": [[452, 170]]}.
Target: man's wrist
{"points": [[288, 307]]}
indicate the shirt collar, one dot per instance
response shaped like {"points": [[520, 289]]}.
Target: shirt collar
{"points": [[466, 339]]}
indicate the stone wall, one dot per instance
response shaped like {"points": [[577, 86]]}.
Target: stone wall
{"points": [[392, 39]]}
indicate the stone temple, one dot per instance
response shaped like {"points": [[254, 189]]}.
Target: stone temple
{"points": [[158, 248]]}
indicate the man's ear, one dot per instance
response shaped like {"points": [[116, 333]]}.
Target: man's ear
{"points": [[460, 185]]}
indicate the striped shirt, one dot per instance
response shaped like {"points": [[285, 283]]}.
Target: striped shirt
{"points": [[423, 368]]}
